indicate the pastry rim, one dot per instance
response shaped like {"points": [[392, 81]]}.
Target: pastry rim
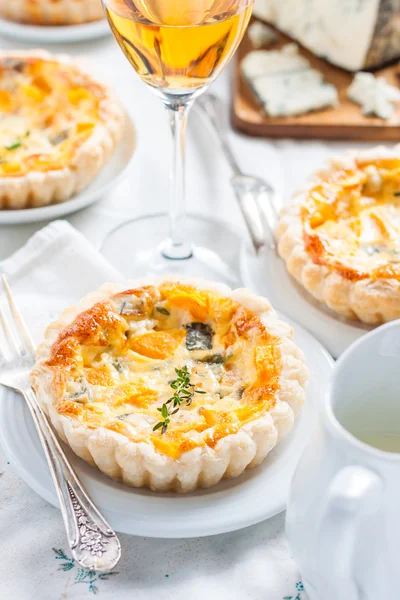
{"points": [[371, 300], [138, 464], [41, 188]]}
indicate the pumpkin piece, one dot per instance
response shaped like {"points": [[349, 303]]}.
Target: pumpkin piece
{"points": [[173, 444], [241, 324], [33, 92], [212, 417], [165, 447], [11, 167], [194, 302], [136, 394], [98, 376], [158, 344], [84, 127], [5, 101], [42, 84], [247, 412], [76, 95]]}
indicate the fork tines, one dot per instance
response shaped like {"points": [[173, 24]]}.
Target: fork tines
{"points": [[16, 335]]}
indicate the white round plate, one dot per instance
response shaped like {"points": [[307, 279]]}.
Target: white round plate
{"points": [[48, 34], [268, 276], [258, 494], [111, 174]]}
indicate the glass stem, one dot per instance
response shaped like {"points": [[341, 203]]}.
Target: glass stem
{"points": [[176, 247]]}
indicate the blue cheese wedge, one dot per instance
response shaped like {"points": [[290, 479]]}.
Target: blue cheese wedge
{"points": [[261, 35], [353, 34], [374, 94], [285, 84]]}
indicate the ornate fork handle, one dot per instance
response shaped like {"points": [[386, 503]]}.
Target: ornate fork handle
{"points": [[94, 545]]}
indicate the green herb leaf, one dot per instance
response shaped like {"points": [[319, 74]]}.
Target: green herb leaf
{"points": [[14, 145], [184, 392], [397, 193]]}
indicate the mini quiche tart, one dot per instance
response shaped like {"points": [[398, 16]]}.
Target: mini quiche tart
{"points": [[52, 12], [108, 367], [341, 237], [58, 127]]}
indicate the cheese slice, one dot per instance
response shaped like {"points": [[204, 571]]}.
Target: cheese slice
{"points": [[374, 94], [261, 35], [285, 84], [352, 34]]}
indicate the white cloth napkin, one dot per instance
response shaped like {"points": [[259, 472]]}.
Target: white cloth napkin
{"points": [[55, 268]]}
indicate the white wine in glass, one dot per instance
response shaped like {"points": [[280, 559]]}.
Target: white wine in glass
{"points": [[177, 47]]}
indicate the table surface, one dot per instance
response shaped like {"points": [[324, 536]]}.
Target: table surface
{"points": [[253, 563]]}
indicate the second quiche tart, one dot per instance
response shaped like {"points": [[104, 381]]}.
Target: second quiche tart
{"points": [[110, 365], [58, 128], [341, 237], [52, 12]]}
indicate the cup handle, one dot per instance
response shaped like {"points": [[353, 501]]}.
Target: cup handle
{"points": [[355, 491]]}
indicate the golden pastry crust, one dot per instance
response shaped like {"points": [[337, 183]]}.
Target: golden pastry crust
{"points": [[106, 366], [52, 12], [58, 129], [341, 236]]}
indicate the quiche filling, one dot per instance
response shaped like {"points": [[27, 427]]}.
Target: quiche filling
{"points": [[116, 362], [351, 220], [48, 109]]}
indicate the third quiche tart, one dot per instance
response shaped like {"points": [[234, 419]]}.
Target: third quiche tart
{"points": [[58, 128], [110, 365], [52, 12], [341, 236]]}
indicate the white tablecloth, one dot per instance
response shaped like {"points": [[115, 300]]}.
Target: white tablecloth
{"points": [[254, 563]]}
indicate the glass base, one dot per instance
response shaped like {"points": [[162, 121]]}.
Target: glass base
{"points": [[135, 249]]}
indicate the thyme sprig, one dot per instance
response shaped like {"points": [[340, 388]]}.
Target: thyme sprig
{"points": [[184, 392], [14, 145], [17, 143]]}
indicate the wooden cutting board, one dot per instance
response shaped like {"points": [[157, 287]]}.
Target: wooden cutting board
{"points": [[344, 122]]}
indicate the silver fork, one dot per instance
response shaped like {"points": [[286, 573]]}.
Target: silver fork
{"points": [[254, 195], [94, 545]]}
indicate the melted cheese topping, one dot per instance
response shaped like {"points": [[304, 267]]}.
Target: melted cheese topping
{"points": [[48, 109], [351, 220], [116, 361]]}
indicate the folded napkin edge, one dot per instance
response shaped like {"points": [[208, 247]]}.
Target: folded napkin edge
{"points": [[37, 244]]}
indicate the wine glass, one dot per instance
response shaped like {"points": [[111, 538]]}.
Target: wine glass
{"points": [[178, 47]]}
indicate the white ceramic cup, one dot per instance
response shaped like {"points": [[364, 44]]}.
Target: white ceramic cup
{"points": [[343, 516]]}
